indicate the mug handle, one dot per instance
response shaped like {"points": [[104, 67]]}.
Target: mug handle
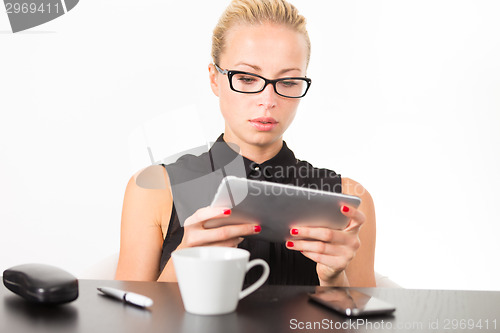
{"points": [[260, 281]]}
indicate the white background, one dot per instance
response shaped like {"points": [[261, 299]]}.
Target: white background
{"points": [[405, 100]]}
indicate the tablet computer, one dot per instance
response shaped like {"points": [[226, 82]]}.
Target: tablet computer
{"points": [[278, 207]]}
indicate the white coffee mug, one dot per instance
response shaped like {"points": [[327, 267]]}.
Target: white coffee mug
{"points": [[210, 278]]}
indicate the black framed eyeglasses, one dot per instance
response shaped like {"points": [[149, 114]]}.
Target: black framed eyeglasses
{"points": [[249, 83]]}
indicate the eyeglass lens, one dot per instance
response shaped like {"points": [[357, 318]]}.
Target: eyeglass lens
{"points": [[248, 83]]}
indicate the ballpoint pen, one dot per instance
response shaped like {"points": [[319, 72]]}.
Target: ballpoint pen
{"points": [[126, 296]]}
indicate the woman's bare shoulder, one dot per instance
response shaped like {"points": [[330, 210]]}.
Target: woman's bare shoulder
{"points": [[149, 190], [352, 187], [154, 177]]}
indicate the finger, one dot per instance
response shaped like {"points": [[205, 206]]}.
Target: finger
{"points": [[319, 247], [322, 234], [207, 213], [229, 243], [228, 232], [343, 244], [233, 242], [357, 217], [228, 219], [335, 263], [329, 255]]}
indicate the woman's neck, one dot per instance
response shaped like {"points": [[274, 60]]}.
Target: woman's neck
{"points": [[256, 153]]}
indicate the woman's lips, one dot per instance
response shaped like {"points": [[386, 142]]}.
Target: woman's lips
{"points": [[264, 124]]}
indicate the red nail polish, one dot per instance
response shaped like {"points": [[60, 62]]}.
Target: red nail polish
{"points": [[345, 209], [227, 212], [289, 244], [295, 232], [257, 228]]}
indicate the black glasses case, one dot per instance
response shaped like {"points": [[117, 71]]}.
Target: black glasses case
{"points": [[41, 283]]}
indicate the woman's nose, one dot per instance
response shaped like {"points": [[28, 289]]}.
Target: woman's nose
{"points": [[268, 97]]}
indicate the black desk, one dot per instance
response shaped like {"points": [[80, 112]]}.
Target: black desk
{"points": [[269, 309]]}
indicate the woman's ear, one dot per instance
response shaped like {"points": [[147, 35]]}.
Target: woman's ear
{"points": [[213, 76]]}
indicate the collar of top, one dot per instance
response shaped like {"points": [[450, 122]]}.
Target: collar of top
{"points": [[223, 153]]}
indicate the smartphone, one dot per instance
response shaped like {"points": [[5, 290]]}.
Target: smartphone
{"points": [[350, 302]]}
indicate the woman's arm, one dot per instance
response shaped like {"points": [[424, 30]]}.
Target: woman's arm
{"points": [[195, 234], [360, 271], [145, 218]]}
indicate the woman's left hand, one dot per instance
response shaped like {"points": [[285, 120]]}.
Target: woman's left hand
{"points": [[331, 249]]}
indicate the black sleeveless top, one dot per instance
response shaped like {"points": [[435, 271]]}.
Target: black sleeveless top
{"points": [[194, 181]]}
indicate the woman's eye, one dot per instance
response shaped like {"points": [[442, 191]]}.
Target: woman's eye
{"points": [[246, 79], [288, 84]]}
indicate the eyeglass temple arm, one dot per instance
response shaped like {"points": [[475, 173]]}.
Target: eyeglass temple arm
{"points": [[222, 71]]}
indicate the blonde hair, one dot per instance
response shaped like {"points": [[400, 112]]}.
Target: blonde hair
{"points": [[257, 12]]}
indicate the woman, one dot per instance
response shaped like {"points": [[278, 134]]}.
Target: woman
{"points": [[255, 43]]}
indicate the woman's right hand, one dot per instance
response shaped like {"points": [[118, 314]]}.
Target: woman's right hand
{"points": [[195, 233]]}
